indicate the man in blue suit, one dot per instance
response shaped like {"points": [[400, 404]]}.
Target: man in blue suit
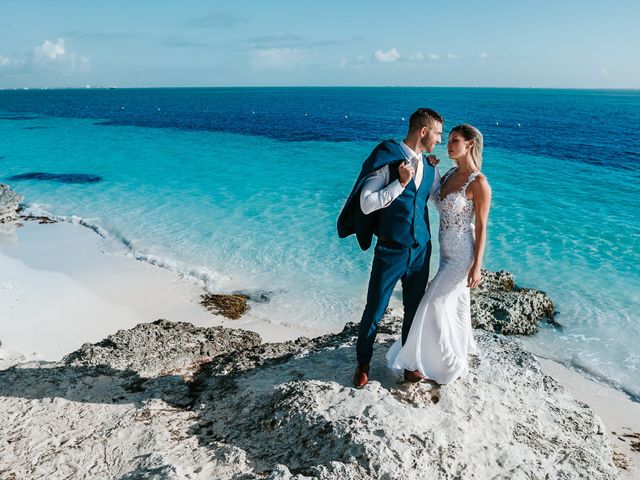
{"points": [[389, 199]]}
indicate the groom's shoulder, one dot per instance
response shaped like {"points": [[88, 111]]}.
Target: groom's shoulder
{"points": [[388, 146], [385, 152]]}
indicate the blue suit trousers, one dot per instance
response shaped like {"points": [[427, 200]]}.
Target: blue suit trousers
{"points": [[390, 264]]}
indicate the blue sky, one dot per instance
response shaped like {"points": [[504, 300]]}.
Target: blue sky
{"points": [[517, 43]]}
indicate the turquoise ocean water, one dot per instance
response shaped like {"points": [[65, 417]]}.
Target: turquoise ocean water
{"points": [[254, 209]]}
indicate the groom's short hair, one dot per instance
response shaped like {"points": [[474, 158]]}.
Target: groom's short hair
{"points": [[424, 117]]}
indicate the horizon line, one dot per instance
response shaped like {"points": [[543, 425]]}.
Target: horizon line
{"points": [[117, 87]]}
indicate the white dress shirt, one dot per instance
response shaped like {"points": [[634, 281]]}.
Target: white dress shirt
{"points": [[376, 194]]}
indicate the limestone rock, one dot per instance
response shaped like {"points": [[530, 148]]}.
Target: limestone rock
{"points": [[42, 220], [296, 413], [153, 349], [124, 408], [498, 305], [9, 201]]}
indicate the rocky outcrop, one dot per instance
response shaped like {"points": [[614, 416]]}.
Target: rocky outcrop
{"points": [[42, 220], [169, 400], [9, 201], [498, 305], [154, 349]]}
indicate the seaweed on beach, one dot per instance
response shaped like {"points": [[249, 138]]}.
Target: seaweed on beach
{"points": [[57, 177], [230, 306]]}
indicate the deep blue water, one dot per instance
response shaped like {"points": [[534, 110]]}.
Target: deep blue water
{"points": [[240, 188], [593, 126]]}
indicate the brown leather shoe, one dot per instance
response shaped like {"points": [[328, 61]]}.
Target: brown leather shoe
{"points": [[414, 376], [361, 376]]}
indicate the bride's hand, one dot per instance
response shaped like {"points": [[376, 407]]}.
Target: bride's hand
{"points": [[475, 275], [433, 160]]}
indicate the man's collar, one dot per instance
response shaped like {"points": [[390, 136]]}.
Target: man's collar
{"points": [[408, 151]]}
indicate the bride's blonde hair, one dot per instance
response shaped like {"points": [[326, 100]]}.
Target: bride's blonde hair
{"points": [[469, 132]]}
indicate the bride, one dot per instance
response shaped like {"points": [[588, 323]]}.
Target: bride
{"points": [[440, 336]]}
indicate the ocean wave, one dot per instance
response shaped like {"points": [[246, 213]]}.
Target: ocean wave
{"points": [[598, 377], [209, 280]]}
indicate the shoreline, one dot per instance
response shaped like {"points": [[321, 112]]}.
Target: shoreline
{"points": [[57, 271], [44, 266]]}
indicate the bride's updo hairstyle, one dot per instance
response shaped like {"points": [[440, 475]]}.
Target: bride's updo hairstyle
{"points": [[469, 132]]}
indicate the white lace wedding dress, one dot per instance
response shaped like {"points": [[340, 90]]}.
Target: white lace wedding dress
{"points": [[441, 336]]}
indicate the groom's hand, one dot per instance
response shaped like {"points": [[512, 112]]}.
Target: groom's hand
{"points": [[406, 173]]}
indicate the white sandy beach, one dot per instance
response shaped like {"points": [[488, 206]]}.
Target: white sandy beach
{"points": [[58, 291]]}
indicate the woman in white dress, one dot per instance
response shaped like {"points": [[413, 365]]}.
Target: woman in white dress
{"points": [[441, 336]]}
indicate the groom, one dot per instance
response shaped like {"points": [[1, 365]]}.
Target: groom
{"points": [[389, 199]]}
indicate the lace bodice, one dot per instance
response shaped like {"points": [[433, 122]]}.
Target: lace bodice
{"points": [[456, 210]]}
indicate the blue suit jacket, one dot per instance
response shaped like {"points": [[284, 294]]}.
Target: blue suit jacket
{"points": [[352, 219]]}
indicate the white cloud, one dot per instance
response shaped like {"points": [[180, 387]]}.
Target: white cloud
{"points": [[50, 55], [452, 56], [276, 57], [54, 55], [605, 72], [483, 55], [392, 56], [357, 64], [388, 56], [49, 50]]}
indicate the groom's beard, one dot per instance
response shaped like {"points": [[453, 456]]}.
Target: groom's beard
{"points": [[424, 142]]}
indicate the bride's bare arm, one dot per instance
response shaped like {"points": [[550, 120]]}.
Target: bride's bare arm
{"points": [[481, 194]]}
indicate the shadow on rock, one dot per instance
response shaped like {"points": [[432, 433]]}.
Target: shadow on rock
{"points": [[99, 384], [150, 361]]}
